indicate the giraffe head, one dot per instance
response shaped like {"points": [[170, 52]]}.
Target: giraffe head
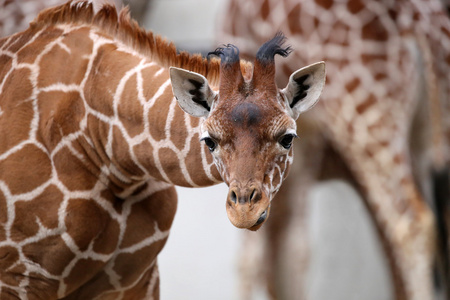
{"points": [[250, 124]]}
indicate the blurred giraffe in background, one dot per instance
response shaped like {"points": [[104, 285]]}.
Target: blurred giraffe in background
{"points": [[383, 124], [15, 15]]}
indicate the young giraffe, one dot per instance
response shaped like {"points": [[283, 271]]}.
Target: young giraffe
{"points": [[92, 143], [383, 59]]}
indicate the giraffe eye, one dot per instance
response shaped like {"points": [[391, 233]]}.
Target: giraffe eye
{"points": [[286, 140], [210, 143]]}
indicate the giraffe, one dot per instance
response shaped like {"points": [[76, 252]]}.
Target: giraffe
{"points": [[100, 120], [387, 96]]}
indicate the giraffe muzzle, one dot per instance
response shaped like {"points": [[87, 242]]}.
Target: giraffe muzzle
{"points": [[247, 207]]}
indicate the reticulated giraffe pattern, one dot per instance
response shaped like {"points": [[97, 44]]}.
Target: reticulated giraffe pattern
{"points": [[44, 210], [93, 141], [388, 66]]}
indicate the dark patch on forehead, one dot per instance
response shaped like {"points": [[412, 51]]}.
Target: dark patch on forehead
{"points": [[246, 114]]}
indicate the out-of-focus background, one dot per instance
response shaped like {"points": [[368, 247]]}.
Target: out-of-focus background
{"points": [[205, 254]]}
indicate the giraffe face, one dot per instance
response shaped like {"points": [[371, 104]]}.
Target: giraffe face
{"points": [[251, 144], [249, 125]]}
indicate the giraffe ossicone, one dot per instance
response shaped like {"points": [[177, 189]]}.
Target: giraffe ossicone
{"points": [[92, 142]]}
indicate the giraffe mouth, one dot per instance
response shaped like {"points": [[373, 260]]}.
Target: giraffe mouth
{"points": [[247, 208], [262, 218], [260, 221]]}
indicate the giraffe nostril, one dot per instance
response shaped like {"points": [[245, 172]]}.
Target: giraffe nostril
{"points": [[252, 195], [233, 197]]}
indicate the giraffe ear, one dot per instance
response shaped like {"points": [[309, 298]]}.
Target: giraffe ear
{"points": [[304, 88], [192, 92]]}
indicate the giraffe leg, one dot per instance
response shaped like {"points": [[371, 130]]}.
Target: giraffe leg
{"points": [[405, 223], [441, 196], [147, 287], [289, 276], [251, 275], [293, 228], [153, 284], [288, 243]]}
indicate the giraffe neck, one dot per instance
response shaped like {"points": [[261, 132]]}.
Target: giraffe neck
{"points": [[136, 127], [115, 112]]}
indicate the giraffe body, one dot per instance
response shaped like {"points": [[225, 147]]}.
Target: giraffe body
{"points": [[389, 69], [93, 142], [71, 183]]}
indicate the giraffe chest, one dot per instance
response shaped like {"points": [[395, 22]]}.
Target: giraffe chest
{"points": [[77, 243]]}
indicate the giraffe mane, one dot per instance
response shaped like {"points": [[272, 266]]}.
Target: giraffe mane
{"points": [[127, 31]]}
